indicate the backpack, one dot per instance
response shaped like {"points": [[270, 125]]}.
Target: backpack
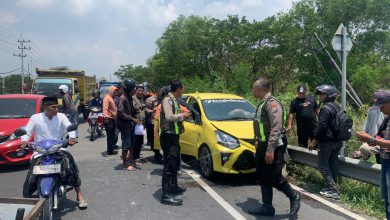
{"points": [[342, 125]]}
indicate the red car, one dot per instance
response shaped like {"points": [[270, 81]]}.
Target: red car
{"points": [[15, 111]]}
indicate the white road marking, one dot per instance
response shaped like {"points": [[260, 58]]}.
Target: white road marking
{"points": [[327, 203], [216, 197]]}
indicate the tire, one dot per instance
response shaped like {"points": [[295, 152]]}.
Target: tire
{"points": [[92, 132], [47, 210], [206, 163], [99, 131]]}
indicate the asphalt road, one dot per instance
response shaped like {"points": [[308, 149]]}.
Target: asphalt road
{"points": [[113, 193]]}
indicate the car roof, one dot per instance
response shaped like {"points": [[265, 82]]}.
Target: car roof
{"points": [[203, 96], [21, 96]]}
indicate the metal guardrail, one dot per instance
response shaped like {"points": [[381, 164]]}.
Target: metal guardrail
{"points": [[348, 167]]}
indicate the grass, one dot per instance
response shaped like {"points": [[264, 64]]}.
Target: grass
{"points": [[358, 196]]}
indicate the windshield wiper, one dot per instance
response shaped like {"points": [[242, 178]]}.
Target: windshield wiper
{"points": [[234, 119]]}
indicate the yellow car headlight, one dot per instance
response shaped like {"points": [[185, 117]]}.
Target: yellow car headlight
{"points": [[226, 140]]}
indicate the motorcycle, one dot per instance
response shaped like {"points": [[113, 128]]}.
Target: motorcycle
{"points": [[95, 121], [48, 172]]}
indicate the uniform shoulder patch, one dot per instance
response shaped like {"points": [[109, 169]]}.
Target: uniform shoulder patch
{"points": [[273, 106], [170, 102]]}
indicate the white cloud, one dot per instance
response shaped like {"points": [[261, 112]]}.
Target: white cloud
{"points": [[80, 7], [101, 35], [7, 18], [35, 3]]}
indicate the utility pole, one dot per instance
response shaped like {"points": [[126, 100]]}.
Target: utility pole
{"points": [[22, 47]]}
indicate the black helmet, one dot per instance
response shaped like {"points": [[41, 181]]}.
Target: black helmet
{"points": [[165, 90], [129, 84], [96, 91], [328, 90]]}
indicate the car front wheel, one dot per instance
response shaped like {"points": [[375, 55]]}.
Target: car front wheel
{"points": [[206, 163]]}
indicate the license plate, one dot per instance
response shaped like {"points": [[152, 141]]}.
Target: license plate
{"points": [[47, 169]]}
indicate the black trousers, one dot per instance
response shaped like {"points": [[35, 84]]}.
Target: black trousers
{"points": [[171, 152], [305, 133], [327, 162], [270, 175], [109, 125], [150, 135], [139, 140]]}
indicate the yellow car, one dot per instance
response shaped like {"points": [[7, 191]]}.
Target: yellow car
{"points": [[219, 134]]}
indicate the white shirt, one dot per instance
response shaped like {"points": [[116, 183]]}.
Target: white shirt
{"points": [[44, 128]]}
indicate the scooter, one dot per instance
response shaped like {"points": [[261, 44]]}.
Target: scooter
{"points": [[95, 121], [48, 172]]}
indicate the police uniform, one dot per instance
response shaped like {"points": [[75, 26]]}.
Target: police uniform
{"points": [[170, 128], [269, 129]]}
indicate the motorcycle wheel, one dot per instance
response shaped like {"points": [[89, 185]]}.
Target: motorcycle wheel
{"points": [[92, 132], [99, 131], [47, 211]]}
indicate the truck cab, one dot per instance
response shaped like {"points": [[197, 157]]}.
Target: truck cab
{"points": [[80, 86]]}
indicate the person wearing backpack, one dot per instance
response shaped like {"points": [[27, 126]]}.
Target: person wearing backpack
{"points": [[325, 141]]}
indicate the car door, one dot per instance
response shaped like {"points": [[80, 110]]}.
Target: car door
{"points": [[192, 126]]}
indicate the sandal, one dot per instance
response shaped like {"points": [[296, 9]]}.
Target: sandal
{"points": [[138, 164], [83, 204]]}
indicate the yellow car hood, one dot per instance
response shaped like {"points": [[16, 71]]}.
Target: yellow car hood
{"points": [[239, 129]]}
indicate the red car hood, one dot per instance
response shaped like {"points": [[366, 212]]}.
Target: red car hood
{"points": [[8, 126]]}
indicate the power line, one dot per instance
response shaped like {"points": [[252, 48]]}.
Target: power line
{"points": [[39, 56], [40, 52], [10, 71], [8, 32], [8, 47], [8, 40]]}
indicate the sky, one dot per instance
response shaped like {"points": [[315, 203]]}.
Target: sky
{"points": [[100, 35]]}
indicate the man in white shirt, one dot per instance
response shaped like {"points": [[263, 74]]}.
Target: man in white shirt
{"points": [[51, 125]]}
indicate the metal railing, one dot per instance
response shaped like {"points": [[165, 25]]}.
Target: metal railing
{"points": [[348, 167]]}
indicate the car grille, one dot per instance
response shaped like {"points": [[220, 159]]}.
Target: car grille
{"points": [[245, 161], [3, 138]]}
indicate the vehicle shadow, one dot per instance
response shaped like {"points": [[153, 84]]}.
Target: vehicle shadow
{"points": [[221, 178], [14, 168], [65, 206], [254, 203]]}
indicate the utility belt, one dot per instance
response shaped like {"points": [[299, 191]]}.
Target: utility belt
{"points": [[282, 141]]}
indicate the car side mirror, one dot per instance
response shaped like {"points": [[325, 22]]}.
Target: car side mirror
{"points": [[20, 132], [197, 119], [71, 128]]}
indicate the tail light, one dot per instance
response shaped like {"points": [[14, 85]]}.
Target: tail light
{"points": [[100, 120]]}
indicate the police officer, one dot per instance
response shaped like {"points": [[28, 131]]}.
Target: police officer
{"points": [[171, 126], [271, 144]]}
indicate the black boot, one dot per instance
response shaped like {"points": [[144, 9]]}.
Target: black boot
{"points": [[167, 198], [157, 157], [266, 209], [176, 189], [295, 200]]}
